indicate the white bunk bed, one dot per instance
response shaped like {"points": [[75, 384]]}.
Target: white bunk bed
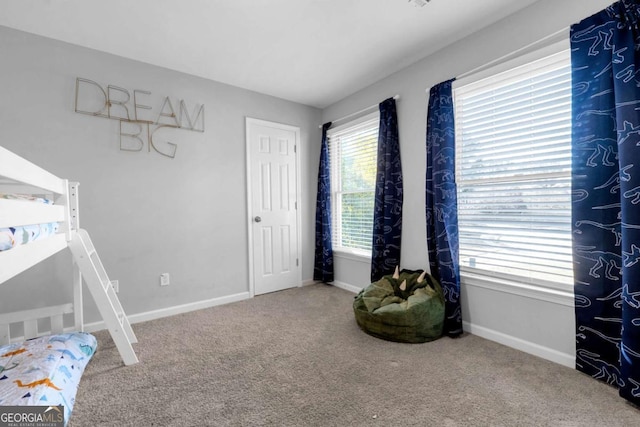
{"points": [[21, 177], [17, 175]]}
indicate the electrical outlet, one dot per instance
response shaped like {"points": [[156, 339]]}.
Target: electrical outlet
{"points": [[164, 279], [116, 285]]}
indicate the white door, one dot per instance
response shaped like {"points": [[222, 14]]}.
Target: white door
{"points": [[272, 169]]}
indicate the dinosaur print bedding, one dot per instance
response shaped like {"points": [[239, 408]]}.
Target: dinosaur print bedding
{"points": [[14, 236], [45, 371]]}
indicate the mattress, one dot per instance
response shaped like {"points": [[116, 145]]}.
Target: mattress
{"points": [[45, 371], [14, 236]]}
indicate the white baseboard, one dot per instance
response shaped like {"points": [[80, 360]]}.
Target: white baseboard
{"points": [[522, 345], [172, 311], [347, 287], [341, 285], [179, 309]]}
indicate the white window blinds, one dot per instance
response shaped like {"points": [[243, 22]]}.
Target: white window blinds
{"points": [[513, 170], [353, 152]]}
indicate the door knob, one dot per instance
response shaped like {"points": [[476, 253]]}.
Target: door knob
{"points": [[257, 219]]}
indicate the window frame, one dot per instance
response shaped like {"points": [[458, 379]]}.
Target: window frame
{"points": [[356, 254], [550, 291]]}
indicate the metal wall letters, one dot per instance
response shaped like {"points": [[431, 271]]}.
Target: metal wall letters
{"points": [[140, 123]]}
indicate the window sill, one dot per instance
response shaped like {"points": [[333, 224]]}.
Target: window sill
{"points": [[353, 255], [555, 296]]}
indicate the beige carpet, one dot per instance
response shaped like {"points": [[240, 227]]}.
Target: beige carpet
{"points": [[297, 358]]}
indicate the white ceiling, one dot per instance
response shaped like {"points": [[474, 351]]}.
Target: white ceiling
{"points": [[315, 52]]}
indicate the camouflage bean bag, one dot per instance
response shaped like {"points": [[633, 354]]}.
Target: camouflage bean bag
{"points": [[404, 307]]}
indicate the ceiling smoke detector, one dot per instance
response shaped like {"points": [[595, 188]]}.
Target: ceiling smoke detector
{"points": [[419, 3]]}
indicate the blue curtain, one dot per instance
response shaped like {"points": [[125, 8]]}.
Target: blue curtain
{"points": [[442, 203], [323, 264], [387, 211], [606, 195]]}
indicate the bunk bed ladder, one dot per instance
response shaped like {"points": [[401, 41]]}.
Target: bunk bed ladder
{"points": [[104, 295]]}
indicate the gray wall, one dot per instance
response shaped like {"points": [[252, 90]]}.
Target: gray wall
{"points": [[536, 322], [147, 214]]}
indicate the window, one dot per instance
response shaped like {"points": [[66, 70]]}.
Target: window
{"points": [[353, 152], [513, 171]]}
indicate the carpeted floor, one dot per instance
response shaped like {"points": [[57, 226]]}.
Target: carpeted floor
{"points": [[297, 358]]}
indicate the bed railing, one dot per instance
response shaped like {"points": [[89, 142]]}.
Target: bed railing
{"points": [[22, 172], [51, 319], [18, 175]]}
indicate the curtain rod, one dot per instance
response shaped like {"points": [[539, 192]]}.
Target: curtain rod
{"points": [[396, 97], [511, 55]]}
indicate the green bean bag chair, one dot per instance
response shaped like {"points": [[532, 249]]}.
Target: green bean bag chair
{"points": [[404, 307]]}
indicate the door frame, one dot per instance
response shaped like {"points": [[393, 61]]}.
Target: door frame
{"points": [[249, 121]]}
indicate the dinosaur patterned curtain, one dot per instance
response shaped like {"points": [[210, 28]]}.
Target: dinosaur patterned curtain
{"points": [[323, 264], [606, 195], [442, 204], [387, 211]]}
